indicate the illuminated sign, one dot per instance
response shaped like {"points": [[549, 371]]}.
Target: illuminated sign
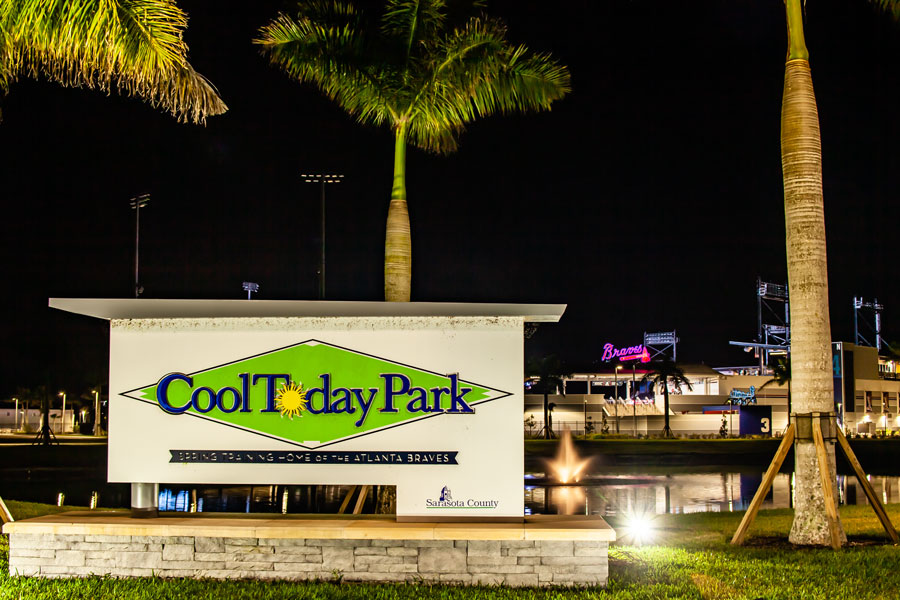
{"points": [[638, 352], [421, 404], [743, 398], [352, 393]]}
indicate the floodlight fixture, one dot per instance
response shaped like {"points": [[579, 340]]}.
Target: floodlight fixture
{"points": [[250, 287], [139, 201], [322, 178]]}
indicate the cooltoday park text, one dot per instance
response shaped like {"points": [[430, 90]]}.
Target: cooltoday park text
{"points": [[397, 388]]}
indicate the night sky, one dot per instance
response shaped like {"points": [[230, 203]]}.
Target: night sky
{"points": [[649, 199]]}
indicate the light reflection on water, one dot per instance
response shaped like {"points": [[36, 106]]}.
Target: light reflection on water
{"points": [[260, 498], [614, 491], [683, 493]]}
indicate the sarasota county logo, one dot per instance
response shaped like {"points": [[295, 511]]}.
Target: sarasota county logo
{"points": [[327, 393], [445, 500]]}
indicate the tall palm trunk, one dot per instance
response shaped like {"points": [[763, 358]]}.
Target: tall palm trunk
{"points": [[801, 159], [397, 264], [667, 431], [547, 435], [398, 244]]}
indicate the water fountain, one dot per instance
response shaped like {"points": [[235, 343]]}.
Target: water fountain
{"points": [[566, 470], [567, 466]]}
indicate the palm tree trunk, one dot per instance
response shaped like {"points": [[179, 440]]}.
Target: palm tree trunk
{"points": [[789, 401], [397, 263], [398, 244], [667, 431], [546, 416], [801, 159]]}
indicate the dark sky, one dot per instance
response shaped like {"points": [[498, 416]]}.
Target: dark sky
{"points": [[649, 199]]}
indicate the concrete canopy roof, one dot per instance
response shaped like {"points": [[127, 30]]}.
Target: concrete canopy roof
{"points": [[139, 308]]}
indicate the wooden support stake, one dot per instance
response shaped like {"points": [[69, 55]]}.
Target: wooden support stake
{"points": [[783, 450], [874, 502], [827, 487], [346, 501], [5, 515], [363, 492]]}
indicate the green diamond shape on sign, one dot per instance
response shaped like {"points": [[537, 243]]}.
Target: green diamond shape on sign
{"points": [[313, 394]]}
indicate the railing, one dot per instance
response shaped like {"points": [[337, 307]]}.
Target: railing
{"points": [[557, 427]]}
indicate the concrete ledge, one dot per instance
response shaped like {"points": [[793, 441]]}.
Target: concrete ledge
{"points": [[541, 527], [543, 551]]}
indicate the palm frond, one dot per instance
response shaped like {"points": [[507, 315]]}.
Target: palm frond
{"points": [[410, 71], [474, 72], [664, 371], [781, 372], [331, 56], [133, 46], [525, 82], [188, 96], [453, 69], [550, 372], [6, 60], [412, 21], [891, 6]]}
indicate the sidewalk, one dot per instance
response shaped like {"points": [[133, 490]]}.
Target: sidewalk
{"points": [[63, 439]]}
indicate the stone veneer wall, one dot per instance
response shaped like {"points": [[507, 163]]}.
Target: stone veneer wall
{"points": [[509, 562]]}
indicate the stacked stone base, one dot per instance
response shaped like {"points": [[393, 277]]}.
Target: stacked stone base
{"points": [[542, 551], [490, 562]]}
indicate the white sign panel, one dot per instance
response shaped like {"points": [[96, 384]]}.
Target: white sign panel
{"points": [[432, 405]]}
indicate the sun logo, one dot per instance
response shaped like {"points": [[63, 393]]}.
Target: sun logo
{"points": [[291, 400]]}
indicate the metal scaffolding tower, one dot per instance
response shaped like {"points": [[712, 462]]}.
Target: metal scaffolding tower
{"points": [[774, 333], [873, 326], [661, 345]]}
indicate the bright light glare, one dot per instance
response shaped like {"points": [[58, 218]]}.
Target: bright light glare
{"points": [[638, 528]]}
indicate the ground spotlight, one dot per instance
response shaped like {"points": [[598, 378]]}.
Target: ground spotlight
{"points": [[639, 528]]}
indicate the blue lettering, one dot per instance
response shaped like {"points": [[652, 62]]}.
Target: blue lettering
{"points": [[271, 389], [324, 391], [436, 394], [162, 392], [397, 387], [195, 399], [245, 392], [419, 402], [456, 396], [390, 392], [220, 399], [365, 406], [342, 404]]}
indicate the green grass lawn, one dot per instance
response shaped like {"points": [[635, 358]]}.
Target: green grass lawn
{"points": [[689, 557]]}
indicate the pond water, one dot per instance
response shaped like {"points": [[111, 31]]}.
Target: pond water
{"points": [[681, 492], [615, 490]]}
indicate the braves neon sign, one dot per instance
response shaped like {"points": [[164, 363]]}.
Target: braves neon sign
{"points": [[638, 352]]}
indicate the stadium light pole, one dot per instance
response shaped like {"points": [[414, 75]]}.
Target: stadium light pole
{"points": [[62, 420], [616, 396], [137, 203], [633, 402], [322, 179]]}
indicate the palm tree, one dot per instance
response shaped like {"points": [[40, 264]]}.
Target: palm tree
{"points": [[781, 375], [661, 373], [550, 373], [132, 46], [801, 159], [410, 70]]}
